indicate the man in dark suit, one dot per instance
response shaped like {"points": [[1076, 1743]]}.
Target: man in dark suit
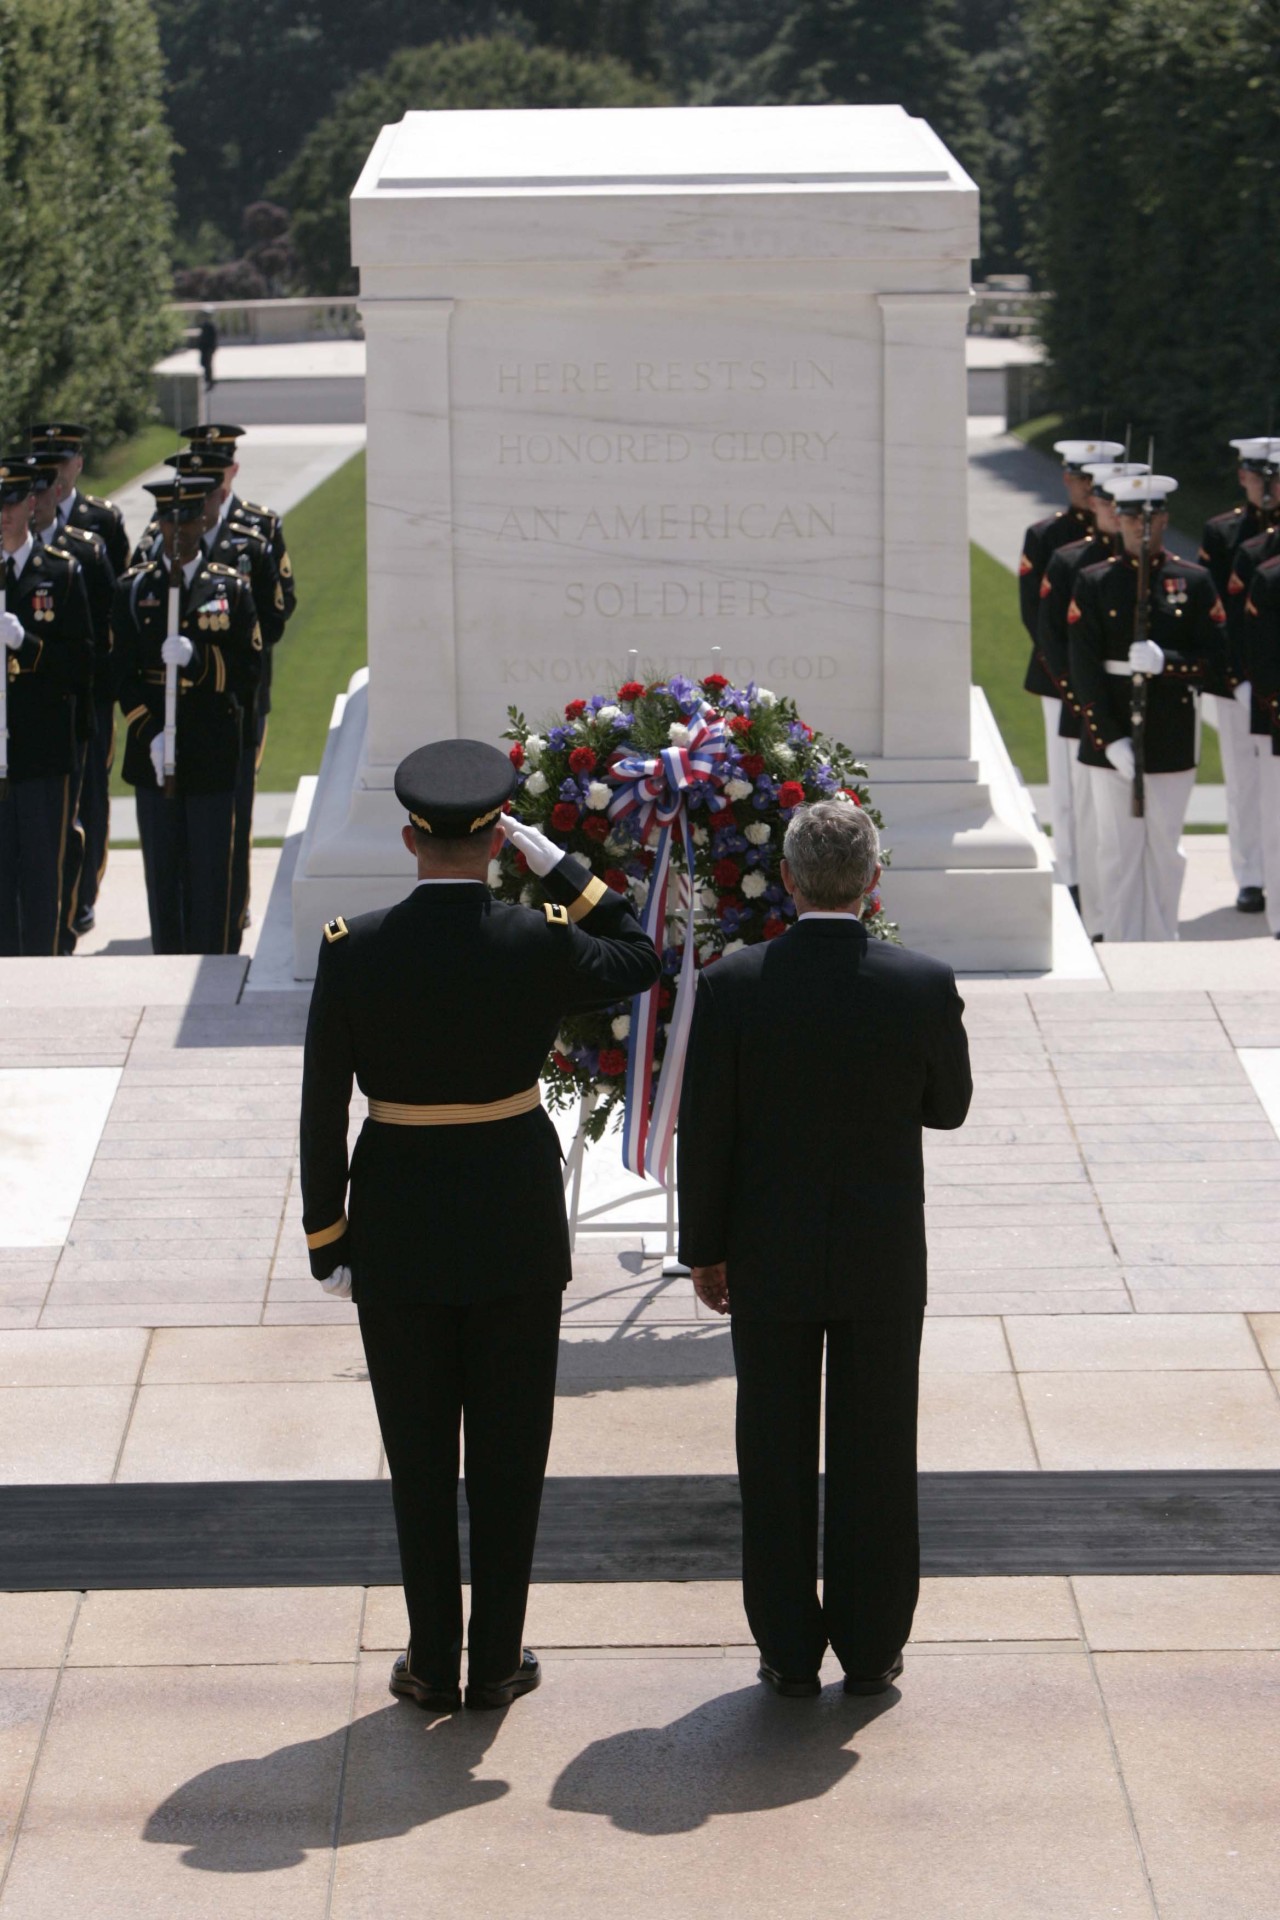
{"points": [[814, 1062], [456, 1249]]}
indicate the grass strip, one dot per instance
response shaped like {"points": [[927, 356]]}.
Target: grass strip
{"points": [[109, 471]]}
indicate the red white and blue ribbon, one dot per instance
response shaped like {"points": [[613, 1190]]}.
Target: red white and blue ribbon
{"points": [[655, 794]]}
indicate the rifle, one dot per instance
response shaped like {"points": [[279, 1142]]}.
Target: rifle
{"points": [[4, 711], [171, 698], [1141, 681]]}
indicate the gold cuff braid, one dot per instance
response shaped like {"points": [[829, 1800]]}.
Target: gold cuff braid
{"points": [[327, 1235], [591, 896]]}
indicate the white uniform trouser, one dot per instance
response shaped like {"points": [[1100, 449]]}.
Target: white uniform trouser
{"points": [[1086, 845], [1140, 867], [1242, 753], [1058, 755], [1269, 783]]}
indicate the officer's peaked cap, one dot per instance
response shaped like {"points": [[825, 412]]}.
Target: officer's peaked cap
{"points": [[1136, 490], [213, 434], [43, 468], [1104, 473], [17, 478], [181, 498], [1076, 453], [212, 461], [60, 437], [453, 788], [1259, 454]]}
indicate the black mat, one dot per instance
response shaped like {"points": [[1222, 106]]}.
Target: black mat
{"points": [[340, 1532]]}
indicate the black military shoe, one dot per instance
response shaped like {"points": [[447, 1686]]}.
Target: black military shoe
{"points": [[790, 1686], [877, 1683], [436, 1699], [83, 922], [500, 1693], [1248, 900]]}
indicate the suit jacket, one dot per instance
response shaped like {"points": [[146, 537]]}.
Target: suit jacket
{"points": [[452, 997], [814, 1062]]}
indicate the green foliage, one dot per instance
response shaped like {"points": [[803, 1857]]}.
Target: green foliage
{"points": [[498, 72], [84, 234], [1157, 222]]}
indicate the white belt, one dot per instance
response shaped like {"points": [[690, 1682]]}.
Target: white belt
{"points": [[1118, 666]]}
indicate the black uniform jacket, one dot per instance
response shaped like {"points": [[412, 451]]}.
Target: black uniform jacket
{"points": [[1187, 620], [1261, 649], [1052, 646], [217, 615], [104, 518], [452, 997], [90, 553], [814, 1062], [270, 526], [1041, 542], [1222, 538], [52, 669]]}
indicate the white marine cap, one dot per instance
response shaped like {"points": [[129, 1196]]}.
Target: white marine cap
{"points": [[1263, 451], [1076, 452], [1103, 472], [1137, 489]]}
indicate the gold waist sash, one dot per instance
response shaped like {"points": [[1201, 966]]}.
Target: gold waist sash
{"points": [[466, 1113]]}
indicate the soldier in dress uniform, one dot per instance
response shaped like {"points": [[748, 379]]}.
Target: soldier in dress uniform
{"points": [[64, 442], [444, 1008], [1260, 661], [217, 649], [1041, 541], [88, 831], [1234, 545], [1140, 867], [48, 663]]}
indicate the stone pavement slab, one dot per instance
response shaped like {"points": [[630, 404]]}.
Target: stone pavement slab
{"points": [[61, 1433], [309, 1430], [1179, 1612], [1156, 1419], [202, 1626]]}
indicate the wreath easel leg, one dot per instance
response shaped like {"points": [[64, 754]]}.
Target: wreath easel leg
{"points": [[671, 1265]]}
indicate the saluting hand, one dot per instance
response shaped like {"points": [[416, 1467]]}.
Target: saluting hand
{"points": [[541, 853], [711, 1284]]}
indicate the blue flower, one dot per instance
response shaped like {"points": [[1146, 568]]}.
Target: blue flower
{"points": [[558, 738], [569, 790], [762, 802], [775, 894], [671, 959]]}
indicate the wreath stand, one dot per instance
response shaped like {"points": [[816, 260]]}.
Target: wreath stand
{"points": [[658, 1235]]}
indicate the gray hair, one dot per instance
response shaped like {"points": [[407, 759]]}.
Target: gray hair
{"points": [[832, 849]]}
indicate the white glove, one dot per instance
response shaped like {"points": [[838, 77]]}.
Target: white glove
{"points": [[338, 1285], [1146, 657], [1120, 754], [541, 853], [177, 650], [11, 631], [157, 758], [1244, 694]]}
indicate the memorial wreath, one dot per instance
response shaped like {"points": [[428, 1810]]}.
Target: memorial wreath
{"points": [[678, 794]]}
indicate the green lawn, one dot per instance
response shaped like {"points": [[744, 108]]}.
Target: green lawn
{"points": [[106, 472]]}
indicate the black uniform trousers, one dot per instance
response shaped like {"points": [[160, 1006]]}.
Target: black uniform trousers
{"points": [[95, 803], [186, 858], [246, 786], [492, 1368], [33, 833], [871, 1541], [72, 859]]}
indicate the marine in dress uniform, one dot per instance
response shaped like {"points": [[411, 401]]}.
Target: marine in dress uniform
{"points": [[64, 441], [1140, 867], [454, 1241], [47, 661], [187, 836], [1041, 541], [1232, 547], [221, 438], [1260, 660]]}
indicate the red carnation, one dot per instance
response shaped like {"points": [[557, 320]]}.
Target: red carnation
{"points": [[646, 856], [582, 760], [596, 827], [790, 794], [613, 1061], [726, 873], [574, 709], [728, 903], [522, 864], [740, 723], [666, 996], [631, 690], [614, 877], [564, 816], [565, 1066], [714, 682], [516, 755], [773, 926], [849, 794], [753, 765]]}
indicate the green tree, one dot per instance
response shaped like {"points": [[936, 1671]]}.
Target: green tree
{"points": [[84, 235], [497, 72]]}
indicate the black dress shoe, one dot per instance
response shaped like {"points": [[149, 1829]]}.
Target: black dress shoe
{"points": [[500, 1693], [877, 1683], [83, 922], [789, 1686], [435, 1698], [1248, 900]]}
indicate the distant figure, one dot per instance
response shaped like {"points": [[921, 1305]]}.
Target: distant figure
{"points": [[208, 347]]}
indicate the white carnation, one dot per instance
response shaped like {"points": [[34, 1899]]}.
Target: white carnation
{"points": [[536, 785], [621, 1026], [846, 797], [608, 713], [753, 884], [783, 757], [708, 898], [733, 946], [764, 698], [679, 734], [495, 873], [533, 747], [706, 950], [599, 795], [699, 836], [737, 789], [757, 833], [526, 897]]}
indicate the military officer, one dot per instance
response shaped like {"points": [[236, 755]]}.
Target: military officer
{"points": [[216, 649], [64, 442], [88, 832], [1041, 541], [1140, 867], [47, 658], [1235, 544], [444, 1008], [1260, 661]]}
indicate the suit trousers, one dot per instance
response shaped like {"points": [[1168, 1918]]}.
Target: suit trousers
{"points": [[871, 1542], [33, 835], [186, 857], [490, 1368], [1059, 754]]}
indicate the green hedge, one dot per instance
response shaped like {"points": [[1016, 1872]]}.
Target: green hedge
{"points": [[84, 225]]}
